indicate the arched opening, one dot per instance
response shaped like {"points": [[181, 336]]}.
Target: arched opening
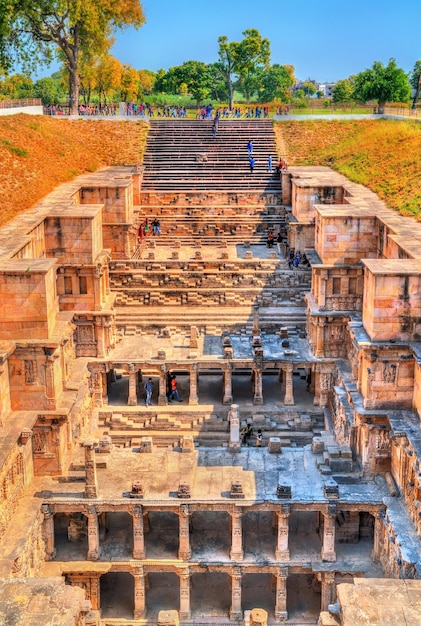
{"points": [[210, 594], [259, 532], [162, 593], [115, 536], [117, 595], [210, 534], [303, 598], [304, 538], [161, 530], [70, 536], [258, 590]]}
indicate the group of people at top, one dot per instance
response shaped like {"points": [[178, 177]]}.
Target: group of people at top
{"points": [[145, 228]]}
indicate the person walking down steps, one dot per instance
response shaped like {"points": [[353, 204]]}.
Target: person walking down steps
{"points": [[148, 388], [252, 162], [250, 147], [174, 390]]}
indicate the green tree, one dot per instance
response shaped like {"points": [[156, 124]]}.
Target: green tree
{"points": [[415, 80], [382, 83], [277, 83], [309, 88], [252, 59], [35, 31], [49, 90], [343, 91], [16, 86], [227, 64], [197, 78]]}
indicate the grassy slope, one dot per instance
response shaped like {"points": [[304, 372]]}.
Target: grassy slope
{"points": [[38, 153], [384, 155]]}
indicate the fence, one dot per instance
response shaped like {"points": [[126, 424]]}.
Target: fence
{"points": [[26, 102]]}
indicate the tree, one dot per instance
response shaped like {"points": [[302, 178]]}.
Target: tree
{"points": [[49, 90], [384, 84], [309, 88], [227, 65], [146, 81], [277, 82], [129, 85], [415, 80], [16, 86], [35, 31], [343, 91], [197, 78], [252, 58]]}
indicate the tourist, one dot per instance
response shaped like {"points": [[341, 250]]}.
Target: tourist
{"points": [[270, 163], [270, 239], [259, 438], [252, 163], [250, 147], [148, 387], [146, 227], [174, 390], [156, 230], [246, 434], [278, 242]]}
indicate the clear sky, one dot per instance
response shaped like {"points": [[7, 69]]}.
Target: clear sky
{"points": [[325, 40]]}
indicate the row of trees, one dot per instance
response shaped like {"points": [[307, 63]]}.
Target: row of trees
{"points": [[79, 33]]}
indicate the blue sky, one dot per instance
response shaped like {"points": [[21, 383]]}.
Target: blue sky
{"points": [[323, 39]]}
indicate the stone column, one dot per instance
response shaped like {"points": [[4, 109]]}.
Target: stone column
{"points": [[184, 594], [234, 426], [48, 532], [162, 392], [104, 388], [282, 550], [91, 485], [184, 550], [193, 397], [289, 387], [93, 534], [99, 332], [132, 399], [97, 384], [258, 386], [235, 610], [328, 590], [139, 593], [138, 535], [50, 392], [320, 333], [321, 296], [281, 612], [328, 547], [236, 553], [227, 397], [378, 528]]}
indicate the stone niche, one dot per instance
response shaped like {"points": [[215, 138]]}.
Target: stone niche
{"points": [[74, 234]]}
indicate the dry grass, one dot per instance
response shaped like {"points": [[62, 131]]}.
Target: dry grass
{"points": [[384, 155], [38, 153]]}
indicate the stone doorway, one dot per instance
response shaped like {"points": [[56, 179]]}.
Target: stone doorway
{"points": [[162, 593], [117, 595], [210, 387], [259, 534], [70, 536], [210, 594], [258, 590], [118, 388], [304, 537], [115, 536], [210, 535], [161, 530], [303, 599]]}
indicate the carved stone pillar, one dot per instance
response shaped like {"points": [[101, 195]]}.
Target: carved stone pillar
{"points": [[48, 532], [377, 539], [104, 388], [184, 594], [132, 399], [289, 386], [91, 485], [93, 534], [235, 611], [100, 334], [236, 553], [320, 334], [50, 392], [328, 590], [184, 550], [227, 397], [281, 612], [282, 550], [138, 534], [258, 386], [193, 397], [139, 593], [321, 296], [162, 392], [328, 547], [97, 383]]}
